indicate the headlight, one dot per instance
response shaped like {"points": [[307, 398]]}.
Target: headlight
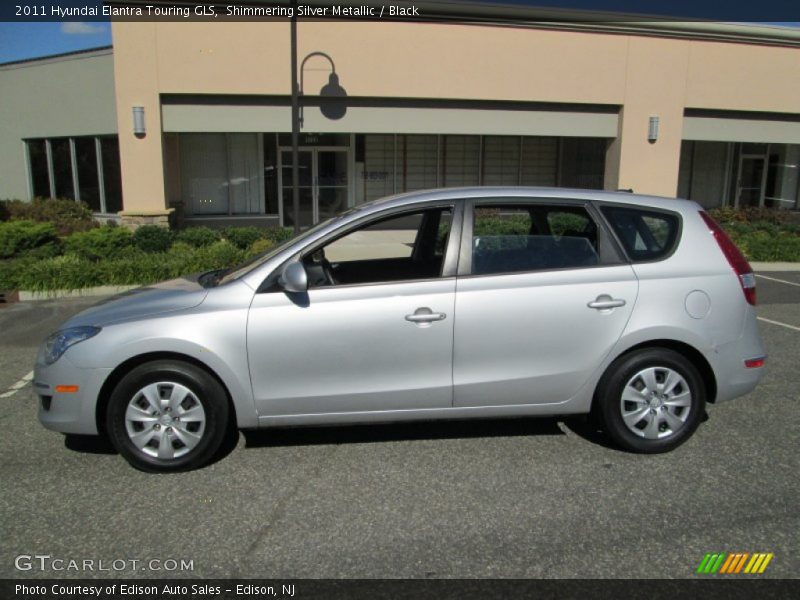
{"points": [[58, 342]]}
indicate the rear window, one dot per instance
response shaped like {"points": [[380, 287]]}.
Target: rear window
{"points": [[645, 234], [521, 237]]}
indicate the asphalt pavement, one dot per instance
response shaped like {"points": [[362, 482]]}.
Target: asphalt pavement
{"points": [[516, 498]]}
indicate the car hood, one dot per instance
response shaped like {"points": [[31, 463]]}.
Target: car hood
{"points": [[168, 296]]}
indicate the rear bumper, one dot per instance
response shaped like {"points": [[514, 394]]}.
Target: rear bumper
{"points": [[734, 379], [68, 412]]}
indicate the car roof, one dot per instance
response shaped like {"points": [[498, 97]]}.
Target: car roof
{"points": [[498, 192]]}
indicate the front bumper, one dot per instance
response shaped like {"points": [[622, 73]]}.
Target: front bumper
{"points": [[68, 412]]}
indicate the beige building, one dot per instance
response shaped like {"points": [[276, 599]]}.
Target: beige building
{"points": [[705, 111]]}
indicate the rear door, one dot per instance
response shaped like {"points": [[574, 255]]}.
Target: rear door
{"points": [[542, 297]]}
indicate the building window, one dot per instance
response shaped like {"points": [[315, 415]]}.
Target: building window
{"points": [[582, 163], [501, 162], [419, 159], [539, 161], [222, 173], [39, 172], [62, 168], [112, 176], [461, 160], [88, 180], [741, 175], [387, 164], [83, 168]]}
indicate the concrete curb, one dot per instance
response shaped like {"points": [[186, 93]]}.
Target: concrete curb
{"points": [[766, 267], [103, 290]]}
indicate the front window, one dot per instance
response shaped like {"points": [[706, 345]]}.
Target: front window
{"points": [[404, 247]]}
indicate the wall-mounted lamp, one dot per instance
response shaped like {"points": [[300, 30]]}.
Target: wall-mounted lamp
{"points": [[652, 130], [138, 121], [332, 95]]}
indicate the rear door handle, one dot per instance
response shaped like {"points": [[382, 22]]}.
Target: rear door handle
{"points": [[425, 315], [604, 301]]}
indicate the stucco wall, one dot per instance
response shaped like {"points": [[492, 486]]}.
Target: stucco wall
{"points": [[645, 76], [59, 97]]}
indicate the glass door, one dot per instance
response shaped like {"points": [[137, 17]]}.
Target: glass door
{"points": [[305, 163], [331, 182], [324, 184], [751, 181]]}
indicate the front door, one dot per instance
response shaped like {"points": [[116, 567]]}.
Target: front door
{"points": [[323, 184], [374, 332], [752, 180]]}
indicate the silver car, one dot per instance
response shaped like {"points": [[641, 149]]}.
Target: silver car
{"points": [[456, 303]]}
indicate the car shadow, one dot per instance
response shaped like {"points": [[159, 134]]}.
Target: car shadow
{"points": [[100, 444], [585, 428], [376, 433], [89, 444], [394, 432]]}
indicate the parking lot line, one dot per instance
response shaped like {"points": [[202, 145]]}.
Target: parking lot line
{"points": [[794, 283], [17, 386], [779, 323]]}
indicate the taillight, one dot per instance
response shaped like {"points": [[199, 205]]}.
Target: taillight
{"points": [[735, 258]]}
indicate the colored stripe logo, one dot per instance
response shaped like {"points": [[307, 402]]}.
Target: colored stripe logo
{"points": [[733, 563]]}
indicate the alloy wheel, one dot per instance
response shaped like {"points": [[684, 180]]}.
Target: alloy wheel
{"points": [[656, 403], [165, 420]]}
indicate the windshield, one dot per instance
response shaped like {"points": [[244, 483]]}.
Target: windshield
{"points": [[259, 259]]}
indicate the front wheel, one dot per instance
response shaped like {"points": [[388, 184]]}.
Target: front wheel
{"points": [[167, 416], [651, 400]]}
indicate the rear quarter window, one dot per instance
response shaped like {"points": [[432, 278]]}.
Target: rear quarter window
{"points": [[646, 235]]}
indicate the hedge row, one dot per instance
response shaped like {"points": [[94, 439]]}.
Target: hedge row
{"points": [[21, 239], [131, 268]]}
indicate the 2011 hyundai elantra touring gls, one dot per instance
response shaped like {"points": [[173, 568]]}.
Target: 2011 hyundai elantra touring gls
{"points": [[457, 303]]}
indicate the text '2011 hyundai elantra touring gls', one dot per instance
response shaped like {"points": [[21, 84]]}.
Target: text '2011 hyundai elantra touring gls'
{"points": [[456, 303]]}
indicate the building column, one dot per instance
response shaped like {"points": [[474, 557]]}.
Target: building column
{"points": [[655, 88], [136, 83]]}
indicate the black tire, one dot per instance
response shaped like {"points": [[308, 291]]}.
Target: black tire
{"points": [[204, 390], [609, 403]]}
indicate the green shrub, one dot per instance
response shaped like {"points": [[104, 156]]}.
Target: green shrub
{"points": [[68, 216], [99, 244], [278, 235], [766, 247], [727, 214], [181, 248], [152, 238], [198, 236], [511, 225], [260, 246], [242, 237], [221, 254], [18, 238]]}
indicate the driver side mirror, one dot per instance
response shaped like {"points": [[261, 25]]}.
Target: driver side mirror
{"points": [[294, 278]]}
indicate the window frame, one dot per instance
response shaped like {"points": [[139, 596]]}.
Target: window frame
{"points": [[609, 252], [449, 260], [644, 209]]}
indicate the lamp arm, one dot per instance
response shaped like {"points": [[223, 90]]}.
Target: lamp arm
{"points": [[302, 73]]}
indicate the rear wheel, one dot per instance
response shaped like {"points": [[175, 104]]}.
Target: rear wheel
{"points": [[167, 416], [651, 400]]}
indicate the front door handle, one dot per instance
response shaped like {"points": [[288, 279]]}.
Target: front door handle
{"points": [[604, 302], [425, 316]]}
